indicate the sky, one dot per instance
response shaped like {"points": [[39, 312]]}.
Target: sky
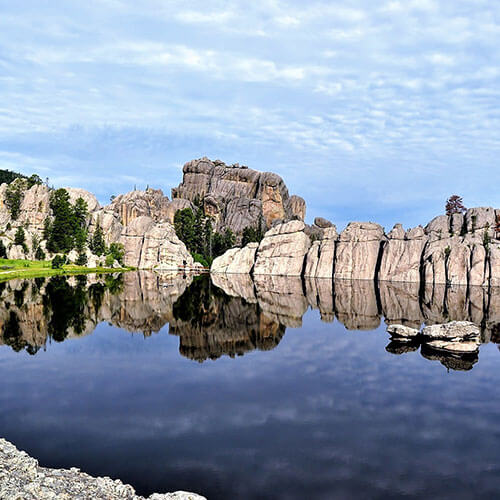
{"points": [[369, 110]]}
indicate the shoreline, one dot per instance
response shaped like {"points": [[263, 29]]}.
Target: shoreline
{"points": [[24, 268], [22, 477]]}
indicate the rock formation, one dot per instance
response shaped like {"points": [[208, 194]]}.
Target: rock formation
{"points": [[460, 249], [236, 196], [402, 254], [148, 244], [236, 260], [321, 255], [450, 250], [358, 250], [283, 250]]}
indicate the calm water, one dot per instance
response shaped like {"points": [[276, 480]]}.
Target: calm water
{"points": [[274, 389]]}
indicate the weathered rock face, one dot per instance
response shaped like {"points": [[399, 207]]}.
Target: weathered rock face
{"points": [[150, 202], [321, 255], [456, 261], [87, 196], [236, 196], [283, 250], [358, 250], [493, 265], [34, 207], [480, 219], [236, 260], [402, 332], [402, 255], [298, 207], [149, 245]]}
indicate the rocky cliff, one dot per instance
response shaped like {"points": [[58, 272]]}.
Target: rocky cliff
{"points": [[140, 220], [461, 249], [450, 250], [236, 196]]}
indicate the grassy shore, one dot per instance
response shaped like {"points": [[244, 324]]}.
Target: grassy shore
{"points": [[20, 268]]}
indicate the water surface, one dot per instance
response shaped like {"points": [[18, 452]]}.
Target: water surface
{"points": [[279, 388]]}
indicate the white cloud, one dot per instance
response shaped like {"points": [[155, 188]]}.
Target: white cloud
{"points": [[302, 88]]}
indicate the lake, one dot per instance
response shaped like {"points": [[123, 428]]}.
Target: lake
{"points": [[278, 388]]}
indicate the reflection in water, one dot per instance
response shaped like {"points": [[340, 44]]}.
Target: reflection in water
{"points": [[325, 413], [231, 315]]}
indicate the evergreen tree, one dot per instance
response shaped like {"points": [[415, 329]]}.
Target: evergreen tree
{"points": [[184, 222], [20, 237], [251, 234], [14, 196], [97, 244], [454, 205], [82, 259], [117, 252], [61, 237], [80, 212], [58, 262], [39, 254], [3, 250]]}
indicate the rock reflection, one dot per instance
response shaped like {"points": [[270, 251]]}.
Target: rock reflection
{"points": [[232, 314], [210, 323]]}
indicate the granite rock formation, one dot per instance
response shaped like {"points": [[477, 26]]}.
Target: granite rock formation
{"points": [[148, 244], [450, 250], [236, 260], [283, 250], [236, 196]]}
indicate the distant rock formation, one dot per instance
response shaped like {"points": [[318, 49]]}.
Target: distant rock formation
{"points": [[236, 196], [450, 250], [460, 249]]}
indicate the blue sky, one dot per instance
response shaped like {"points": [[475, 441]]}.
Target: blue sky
{"points": [[369, 110]]}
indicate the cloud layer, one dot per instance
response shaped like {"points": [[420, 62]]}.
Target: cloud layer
{"points": [[370, 110]]}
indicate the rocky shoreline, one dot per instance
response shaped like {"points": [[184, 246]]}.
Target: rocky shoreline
{"points": [[21, 477]]}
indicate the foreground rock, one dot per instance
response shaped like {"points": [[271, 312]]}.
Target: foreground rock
{"points": [[455, 337], [402, 332], [455, 331], [154, 245], [22, 478]]}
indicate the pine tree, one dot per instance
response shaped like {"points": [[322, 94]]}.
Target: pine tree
{"points": [[454, 205], [61, 237], [3, 250], [98, 245], [20, 237]]}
